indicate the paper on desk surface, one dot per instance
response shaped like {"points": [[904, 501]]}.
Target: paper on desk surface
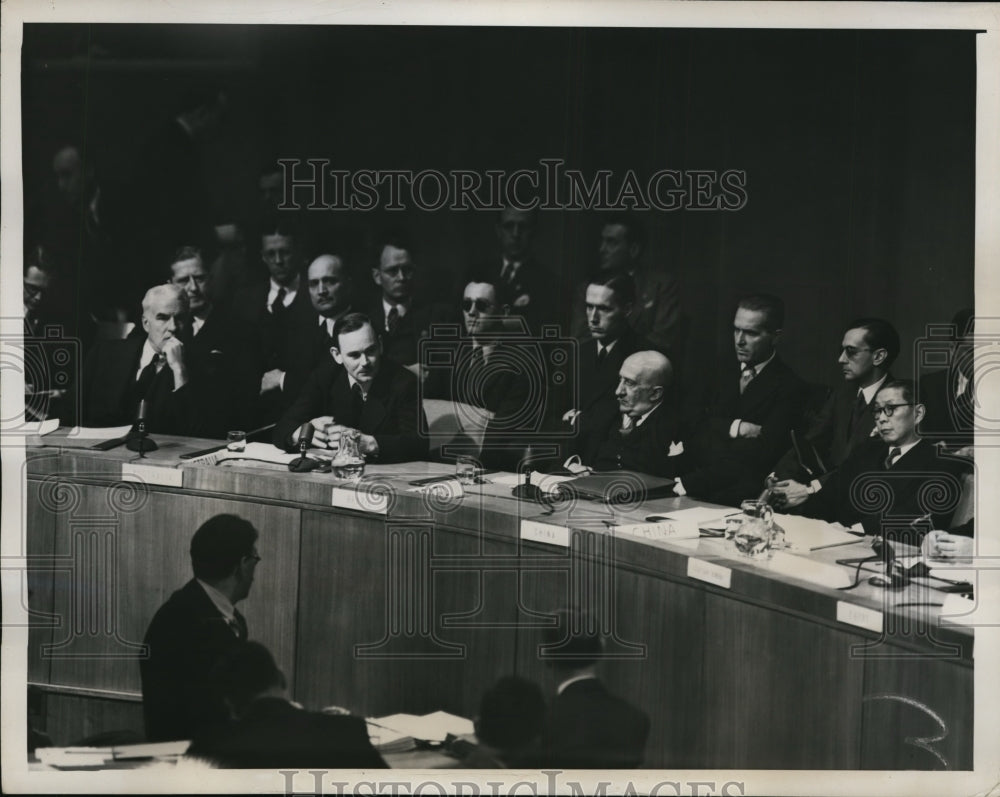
{"points": [[429, 727], [98, 433], [807, 534], [39, 427], [546, 482], [698, 514]]}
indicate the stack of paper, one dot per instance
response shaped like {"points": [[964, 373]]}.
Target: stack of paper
{"points": [[806, 534], [398, 732]]}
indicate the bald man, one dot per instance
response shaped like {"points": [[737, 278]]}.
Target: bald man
{"points": [[331, 293], [643, 437], [181, 397]]}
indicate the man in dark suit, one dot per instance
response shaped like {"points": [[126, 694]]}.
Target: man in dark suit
{"points": [[509, 726], [224, 344], [868, 349], [197, 626], [949, 394], [268, 731], [524, 285], [896, 485], [642, 434], [310, 336], [183, 396], [273, 307], [400, 320], [359, 389], [655, 313], [609, 300], [587, 726], [745, 430], [497, 368]]}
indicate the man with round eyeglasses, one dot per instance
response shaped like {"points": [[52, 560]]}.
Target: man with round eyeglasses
{"points": [[868, 349], [896, 485]]}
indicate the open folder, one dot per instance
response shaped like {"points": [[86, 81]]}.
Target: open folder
{"points": [[617, 487]]}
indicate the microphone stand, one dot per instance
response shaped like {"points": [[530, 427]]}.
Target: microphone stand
{"points": [[139, 439]]}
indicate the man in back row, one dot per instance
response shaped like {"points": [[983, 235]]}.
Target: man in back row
{"points": [[867, 351]]}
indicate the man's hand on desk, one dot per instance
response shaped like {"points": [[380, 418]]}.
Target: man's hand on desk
{"points": [[942, 545], [791, 493]]}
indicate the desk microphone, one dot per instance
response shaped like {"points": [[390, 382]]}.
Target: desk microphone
{"points": [[303, 463], [138, 439], [527, 490]]}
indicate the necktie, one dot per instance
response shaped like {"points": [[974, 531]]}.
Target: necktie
{"points": [[392, 320], [148, 374], [628, 425], [509, 272], [478, 358], [894, 454], [860, 408], [602, 355], [746, 377], [278, 305], [239, 625], [357, 404]]}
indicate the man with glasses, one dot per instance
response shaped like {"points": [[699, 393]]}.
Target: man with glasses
{"points": [[398, 316], [895, 484], [197, 628], [867, 351], [274, 307]]}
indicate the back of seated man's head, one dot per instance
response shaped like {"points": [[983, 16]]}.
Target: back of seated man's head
{"points": [[246, 673], [574, 644], [220, 545], [511, 714]]}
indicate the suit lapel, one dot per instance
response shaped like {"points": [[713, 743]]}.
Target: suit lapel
{"points": [[375, 408]]}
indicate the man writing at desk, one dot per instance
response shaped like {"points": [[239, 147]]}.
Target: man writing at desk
{"points": [[358, 389]]}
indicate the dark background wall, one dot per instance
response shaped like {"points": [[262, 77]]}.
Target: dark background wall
{"points": [[858, 145]]}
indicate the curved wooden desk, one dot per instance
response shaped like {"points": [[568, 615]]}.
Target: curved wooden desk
{"points": [[422, 607]]}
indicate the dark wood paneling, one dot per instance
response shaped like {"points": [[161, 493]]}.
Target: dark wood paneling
{"points": [[781, 693], [918, 713], [73, 718], [38, 583], [381, 630], [129, 551]]}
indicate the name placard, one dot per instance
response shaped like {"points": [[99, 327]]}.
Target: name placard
{"points": [[150, 474], [860, 616], [545, 532], [360, 499], [660, 530], [709, 572]]}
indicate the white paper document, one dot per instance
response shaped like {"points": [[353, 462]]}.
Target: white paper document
{"points": [[429, 727]]}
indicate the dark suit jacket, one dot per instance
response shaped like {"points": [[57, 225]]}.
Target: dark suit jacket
{"points": [[831, 433], [231, 349], [546, 298], [589, 728], [885, 501], [645, 449], [948, 417], [187, 638], [110, 398], [402, 344], [726, 470], [392, 412], [274, 734]]}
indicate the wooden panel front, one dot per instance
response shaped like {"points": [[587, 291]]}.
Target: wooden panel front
{"points": [[383, 630], [918, 712], [781, 692], [129, 550], [38, 582]]}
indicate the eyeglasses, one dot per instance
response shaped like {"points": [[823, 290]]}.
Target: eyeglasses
{"points": [[254, 556], [888, 409], [481, 305], [851, 351]]}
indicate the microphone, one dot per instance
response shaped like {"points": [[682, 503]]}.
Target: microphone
{"points": [[303, 463], [138, 439]]}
